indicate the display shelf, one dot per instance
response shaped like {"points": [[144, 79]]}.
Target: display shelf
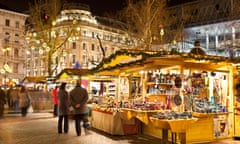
{"points": [[154, 83], [112, 90], [160, 94], [159, 89]]}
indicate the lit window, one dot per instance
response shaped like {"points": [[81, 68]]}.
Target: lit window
{"points": [[74, 45], [17, 24], [7, 22]]}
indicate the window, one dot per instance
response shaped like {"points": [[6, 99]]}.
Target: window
{"points": [[16, 38], [36, 63], [84, 46], [74, 45], [73, 59], [7, 35], [16, 52], [84, 33], [84, 59], [17, 24], [15, 68], [7, 38], [43, 72], [35, 73], [93, 47], [7, 22]]}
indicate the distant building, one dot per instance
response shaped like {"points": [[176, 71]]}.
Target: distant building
{"points": [[12, 46], [82, 50], [215, 23]]}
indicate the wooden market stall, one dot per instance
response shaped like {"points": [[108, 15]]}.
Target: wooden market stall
{"points": [[102, 91], [70, 75], [181, 83], [41, 98], [236, 116]]}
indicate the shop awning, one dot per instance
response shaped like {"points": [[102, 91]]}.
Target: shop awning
{"points": [[39, 79], [127, 62], [71, 73]]}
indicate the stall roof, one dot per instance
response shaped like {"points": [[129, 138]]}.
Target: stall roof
{"points": [[71, 72], [39, 79], [126, 62]]}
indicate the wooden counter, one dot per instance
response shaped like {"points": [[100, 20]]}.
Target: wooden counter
{"points": [[112, 123], [205, 129], [176, 126]]}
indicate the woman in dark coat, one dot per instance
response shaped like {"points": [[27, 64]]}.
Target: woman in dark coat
{"points": [[63, 108]]}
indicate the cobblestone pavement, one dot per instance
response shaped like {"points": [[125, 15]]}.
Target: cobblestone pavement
{"points": [[41, 128]]}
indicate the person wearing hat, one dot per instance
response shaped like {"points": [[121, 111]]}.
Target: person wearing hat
{"points": [[63, 108], [78, 100]]}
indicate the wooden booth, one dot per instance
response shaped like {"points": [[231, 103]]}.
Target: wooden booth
{"points": [[174, 97]]}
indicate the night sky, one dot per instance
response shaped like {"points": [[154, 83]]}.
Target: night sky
{"points": [[98, 7]]}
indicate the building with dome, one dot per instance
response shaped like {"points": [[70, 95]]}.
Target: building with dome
{"points": [[91, 39]]}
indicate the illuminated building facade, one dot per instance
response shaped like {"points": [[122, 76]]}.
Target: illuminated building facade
{"points": [[12, 46], [215, 23], [83, 47]]}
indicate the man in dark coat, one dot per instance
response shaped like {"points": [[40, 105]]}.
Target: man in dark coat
{"points": [[2, 101], [78, 100]]}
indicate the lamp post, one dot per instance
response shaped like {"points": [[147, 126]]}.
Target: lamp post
{"points": [[161, 32]]}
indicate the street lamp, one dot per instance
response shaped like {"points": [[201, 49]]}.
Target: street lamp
{"points": [[161, 33]]}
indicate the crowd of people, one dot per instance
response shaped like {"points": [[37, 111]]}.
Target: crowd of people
{"points": [[16, 98], [65, 104]]}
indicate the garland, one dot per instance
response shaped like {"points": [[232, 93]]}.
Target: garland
{"points": [[145, 55]]}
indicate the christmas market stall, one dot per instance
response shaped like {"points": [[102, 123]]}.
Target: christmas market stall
{"points": [[236, 102], [106, 114], [41, 98], [71, 75], [174, 96]]}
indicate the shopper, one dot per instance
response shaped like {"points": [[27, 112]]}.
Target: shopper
{"points": [[63, 108], [24, 100], [15, 99], [9, 100], [55, 101], [78, 100], [2, 101]]}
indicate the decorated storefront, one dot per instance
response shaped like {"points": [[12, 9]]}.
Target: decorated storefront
{"points": [[174, 96]]}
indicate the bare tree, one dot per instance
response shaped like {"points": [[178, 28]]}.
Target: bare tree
{"points": [[144, 20], [46, 34]]}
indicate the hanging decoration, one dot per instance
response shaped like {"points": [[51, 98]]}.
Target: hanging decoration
{"points": [[145, 55]]}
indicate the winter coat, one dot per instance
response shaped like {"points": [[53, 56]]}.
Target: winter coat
{"points": [[79, 95], [54, 95], [24, 99], [63, 102], [2, 97]]}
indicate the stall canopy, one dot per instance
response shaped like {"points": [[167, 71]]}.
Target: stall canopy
{"points": [[127, 61], [39, 79], [70, 73]]}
